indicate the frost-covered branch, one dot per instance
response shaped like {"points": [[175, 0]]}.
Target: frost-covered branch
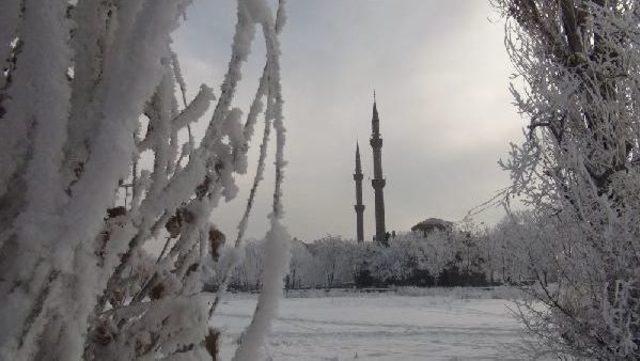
{"points": [[84, 188]]}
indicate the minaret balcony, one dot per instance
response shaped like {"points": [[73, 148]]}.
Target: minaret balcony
{"points": [[378, 183], [358, 177], [359, 208], [376, 142]]}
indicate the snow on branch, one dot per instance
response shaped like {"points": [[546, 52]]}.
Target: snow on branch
{"points": [[94, 173], [277, 239]]}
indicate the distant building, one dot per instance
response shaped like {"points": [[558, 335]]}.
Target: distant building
{"points": [[432, 224]]}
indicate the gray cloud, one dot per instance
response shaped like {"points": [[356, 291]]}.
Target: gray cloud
{"points": [[441, 74]]}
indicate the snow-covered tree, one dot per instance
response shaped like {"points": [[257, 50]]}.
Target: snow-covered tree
{"points": [[98, 163], [411, 259], [334, 260], [519, 241], [578, 85], [302, 269], [440, 250]]}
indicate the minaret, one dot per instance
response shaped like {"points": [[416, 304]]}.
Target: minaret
{"points": [[357, 176], [378, 181]]}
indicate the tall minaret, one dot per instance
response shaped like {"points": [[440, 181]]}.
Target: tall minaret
{"points": [[357, 176], [378, 181]]}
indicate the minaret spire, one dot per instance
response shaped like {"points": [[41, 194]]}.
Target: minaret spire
{"points": [[378, 182], [375, 121], [358, 163], [359, 207]]}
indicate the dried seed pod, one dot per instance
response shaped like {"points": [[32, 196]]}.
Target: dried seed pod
{"points": [[211, 343], [174, 226], [176, 222], [158, 291], [102, 334], [216, 240], [116, 297], [116, 212]]}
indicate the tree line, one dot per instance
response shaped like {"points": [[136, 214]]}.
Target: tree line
{"points": [[467, 255]]}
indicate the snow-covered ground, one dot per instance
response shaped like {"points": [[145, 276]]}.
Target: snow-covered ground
{"points": [[381, 327]]}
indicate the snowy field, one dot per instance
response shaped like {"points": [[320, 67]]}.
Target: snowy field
{"points": [[381, 327]]}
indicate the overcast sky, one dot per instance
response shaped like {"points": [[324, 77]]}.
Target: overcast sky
{"points": [[441, 76]]}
